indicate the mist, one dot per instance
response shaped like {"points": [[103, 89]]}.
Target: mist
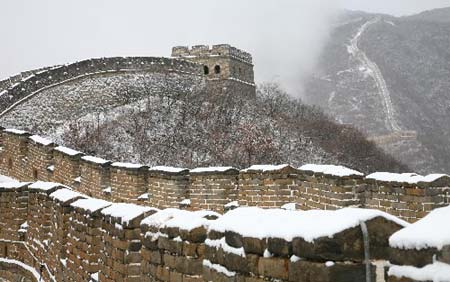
{"points": [[284, 36]]}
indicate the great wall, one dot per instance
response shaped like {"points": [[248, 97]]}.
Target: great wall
{"points": [[104, 223], [68, 216]]}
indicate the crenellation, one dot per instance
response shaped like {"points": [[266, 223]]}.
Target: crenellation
{"points": [[95, 177], [213, 188], [66, 166]]}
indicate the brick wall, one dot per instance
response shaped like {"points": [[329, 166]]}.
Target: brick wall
{"points": [[66, 167], [75, 239], [13, 210], [407, 201], [14, 157], [213, 188], [269, 189], [95, 177], [40, 157], [128, 182], [167, 189]]}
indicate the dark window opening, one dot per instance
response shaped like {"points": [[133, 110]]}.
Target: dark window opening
{"points": [[35, 174], [206, 70], [10, 163], [217, 69]]}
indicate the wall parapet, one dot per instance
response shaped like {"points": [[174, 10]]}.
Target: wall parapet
{"points": [[92, 238], [58, 74], [410, 196]]}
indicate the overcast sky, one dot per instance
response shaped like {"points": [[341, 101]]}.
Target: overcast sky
{"points": [[285, 36]]}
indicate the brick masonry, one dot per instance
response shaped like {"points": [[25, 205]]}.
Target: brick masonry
{"points": [[117, 182], [69, 241]]}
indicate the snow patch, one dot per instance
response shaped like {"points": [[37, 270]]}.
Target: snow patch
{"points": [[15, 131], [126, 165], [125, 212], [310, 225], [90, 204], [438, 271], [68, 151], [186, 202], [40, 140], [411, 178], [212, 169], [4, 179], [95, 160], [335, 170], [265, 168], [222, 244], [168, 169], [431, 231], [185, 220], [144, 196], [233, 204], [44, 186], [66, 194], [219, 268]]}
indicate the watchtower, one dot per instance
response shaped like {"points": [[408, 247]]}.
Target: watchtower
{"points": [[224, 66]]}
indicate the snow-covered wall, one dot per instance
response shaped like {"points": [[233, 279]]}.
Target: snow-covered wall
{"points": [[409, 196], [68, 236], [61, 74]]}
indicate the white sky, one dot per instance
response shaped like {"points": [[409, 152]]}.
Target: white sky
{"points": [[285, 36]]}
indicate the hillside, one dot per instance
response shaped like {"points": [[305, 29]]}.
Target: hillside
{"points": [[389, 77], [172, 119]]}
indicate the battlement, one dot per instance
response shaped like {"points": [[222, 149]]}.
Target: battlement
{"points": [[327, 187], [213, 51]]}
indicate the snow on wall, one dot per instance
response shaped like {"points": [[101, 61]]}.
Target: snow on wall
{"points": [[309, 187]]}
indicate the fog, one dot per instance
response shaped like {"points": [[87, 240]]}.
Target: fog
{"points": [[284, 36]]}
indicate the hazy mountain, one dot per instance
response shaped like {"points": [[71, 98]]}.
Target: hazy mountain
{"points": [[390, 77]]}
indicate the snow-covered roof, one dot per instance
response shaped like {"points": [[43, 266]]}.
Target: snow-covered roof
{"points": [[68, 151], [95, 160], [185, 220], [334, 170], [168, 169], [90, 204], [44, 186], [15, 131], [41, 140], [286, 224], [212, 169], [438, 271], [265, 168], [126, 165], [125, 212], [411, 178], [432, 231], [66, 194]]}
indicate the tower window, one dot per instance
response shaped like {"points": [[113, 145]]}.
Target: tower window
{"points": [[206, 70], [10, 163], [217, 69], [35, 174]]}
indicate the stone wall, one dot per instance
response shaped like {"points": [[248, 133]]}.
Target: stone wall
{"points": [[66, 166], [72, 237], [59, 74], [408, 201], [30, 158], [166, 189]]}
